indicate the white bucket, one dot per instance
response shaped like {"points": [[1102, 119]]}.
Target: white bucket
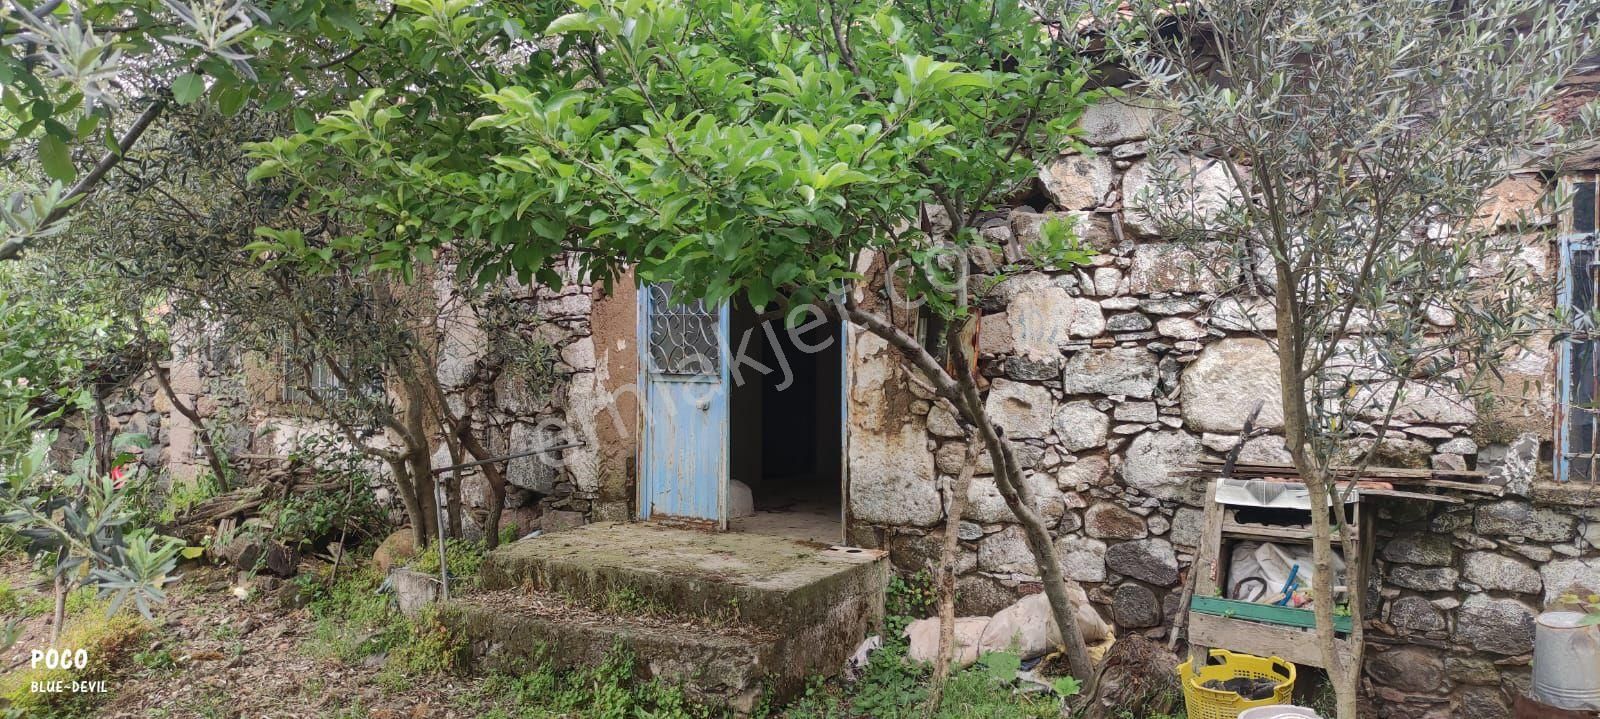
{"points": [[1279, 711], [1566, 662]]}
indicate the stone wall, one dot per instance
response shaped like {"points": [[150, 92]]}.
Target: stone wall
{"points": [[1110, 377], [582, 395]]}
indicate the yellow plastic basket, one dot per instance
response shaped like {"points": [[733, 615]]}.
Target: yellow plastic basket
{"points": [[1204, 703]]}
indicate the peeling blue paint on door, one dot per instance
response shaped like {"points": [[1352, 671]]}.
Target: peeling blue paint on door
{"points": [[684, 372]]}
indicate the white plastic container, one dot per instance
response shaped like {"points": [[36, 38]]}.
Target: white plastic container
{"points": [[1279, 711], [1566, 662]]}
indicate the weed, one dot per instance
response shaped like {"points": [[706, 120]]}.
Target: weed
{"points": [[464, 558], [608, 691], [892, 688], [630, 601], [350, 619], [155, 659], [430, 647], [183, 496], [909, 598]]}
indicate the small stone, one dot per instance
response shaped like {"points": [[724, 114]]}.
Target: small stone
{"points": [[1077, 182], [1126, 371], [1577, 576], [1244, 314], [1449, 462], [1109, 521], [1023, 410], [1427, 432], [1416, 614], [1043, 319], [1411, 669], [969, 532], [1223, 385], [1127, 322], [1006, 551], [1107, 282], [1180, 328], [1085, 473], [1187, 525], [1512, 518], [1080, 426], [1500, 626], [1423, 579], [1482, 702], [1426, 549], [1149, 560], [942, 422], [1471, 669], [1116, 121], [1153, 459], [1134, 606], [1118, 304], [1178, 267], [1135, 412], [1082, 559], [1032, 369], [1170, 306], [1459, 445], [1497, 572]]}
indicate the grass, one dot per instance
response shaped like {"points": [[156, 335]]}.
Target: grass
{"points": [[608, 691], [892, 688], [350, 619], [107, 641], [463, 557]]}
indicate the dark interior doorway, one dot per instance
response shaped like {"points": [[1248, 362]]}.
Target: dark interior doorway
{"points": [[786, 426]]}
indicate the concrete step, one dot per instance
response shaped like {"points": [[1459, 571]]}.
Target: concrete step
{"points": [[517, 630], [749, 579]]}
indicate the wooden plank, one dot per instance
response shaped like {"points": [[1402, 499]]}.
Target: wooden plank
{"points": [[1262, 640], [1411, 495], [1372, 472], [1261, 531], [1208, 567], [1267, 613]]}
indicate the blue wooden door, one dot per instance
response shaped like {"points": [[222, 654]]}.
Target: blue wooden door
{"points": [[684, 370]]}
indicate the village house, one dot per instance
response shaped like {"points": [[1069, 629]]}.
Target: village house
{"points": [[1112, 378]]}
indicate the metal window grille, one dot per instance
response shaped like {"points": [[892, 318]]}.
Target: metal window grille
{"points": [[1578, 431], [323, 381], [683, 335]]}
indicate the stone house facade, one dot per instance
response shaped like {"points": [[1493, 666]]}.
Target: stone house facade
{"points": [[1111, 377]]}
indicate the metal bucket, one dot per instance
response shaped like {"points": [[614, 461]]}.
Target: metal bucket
{"points": [[1566, 662]]}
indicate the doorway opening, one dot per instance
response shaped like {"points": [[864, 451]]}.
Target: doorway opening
{"points": [[785, 429]]}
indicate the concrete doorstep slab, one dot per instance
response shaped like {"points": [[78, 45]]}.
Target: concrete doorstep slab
{"points": [[750, 578], [730, 617]]}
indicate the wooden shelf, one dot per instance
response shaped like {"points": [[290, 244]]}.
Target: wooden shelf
{"points": [[1235, 530], [1266, 613], [1264, 640]]}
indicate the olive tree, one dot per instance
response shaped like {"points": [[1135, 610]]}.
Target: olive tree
{"points": [[735, 149], [1345, 156]]}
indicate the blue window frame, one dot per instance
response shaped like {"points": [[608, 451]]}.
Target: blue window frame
{"points": [[1578, 425]]}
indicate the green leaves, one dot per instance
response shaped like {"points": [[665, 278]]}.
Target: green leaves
{"points": [[723, 150], [187, 88], [572, 22], [56, 159]]}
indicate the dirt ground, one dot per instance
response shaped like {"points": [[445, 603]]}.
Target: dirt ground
{"points": [[225, 657]]}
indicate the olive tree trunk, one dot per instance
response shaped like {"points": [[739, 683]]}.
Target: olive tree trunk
{"points": [[962, 392]]}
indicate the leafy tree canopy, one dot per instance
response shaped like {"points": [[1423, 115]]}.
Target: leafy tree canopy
{"points": [[727, 146]]}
